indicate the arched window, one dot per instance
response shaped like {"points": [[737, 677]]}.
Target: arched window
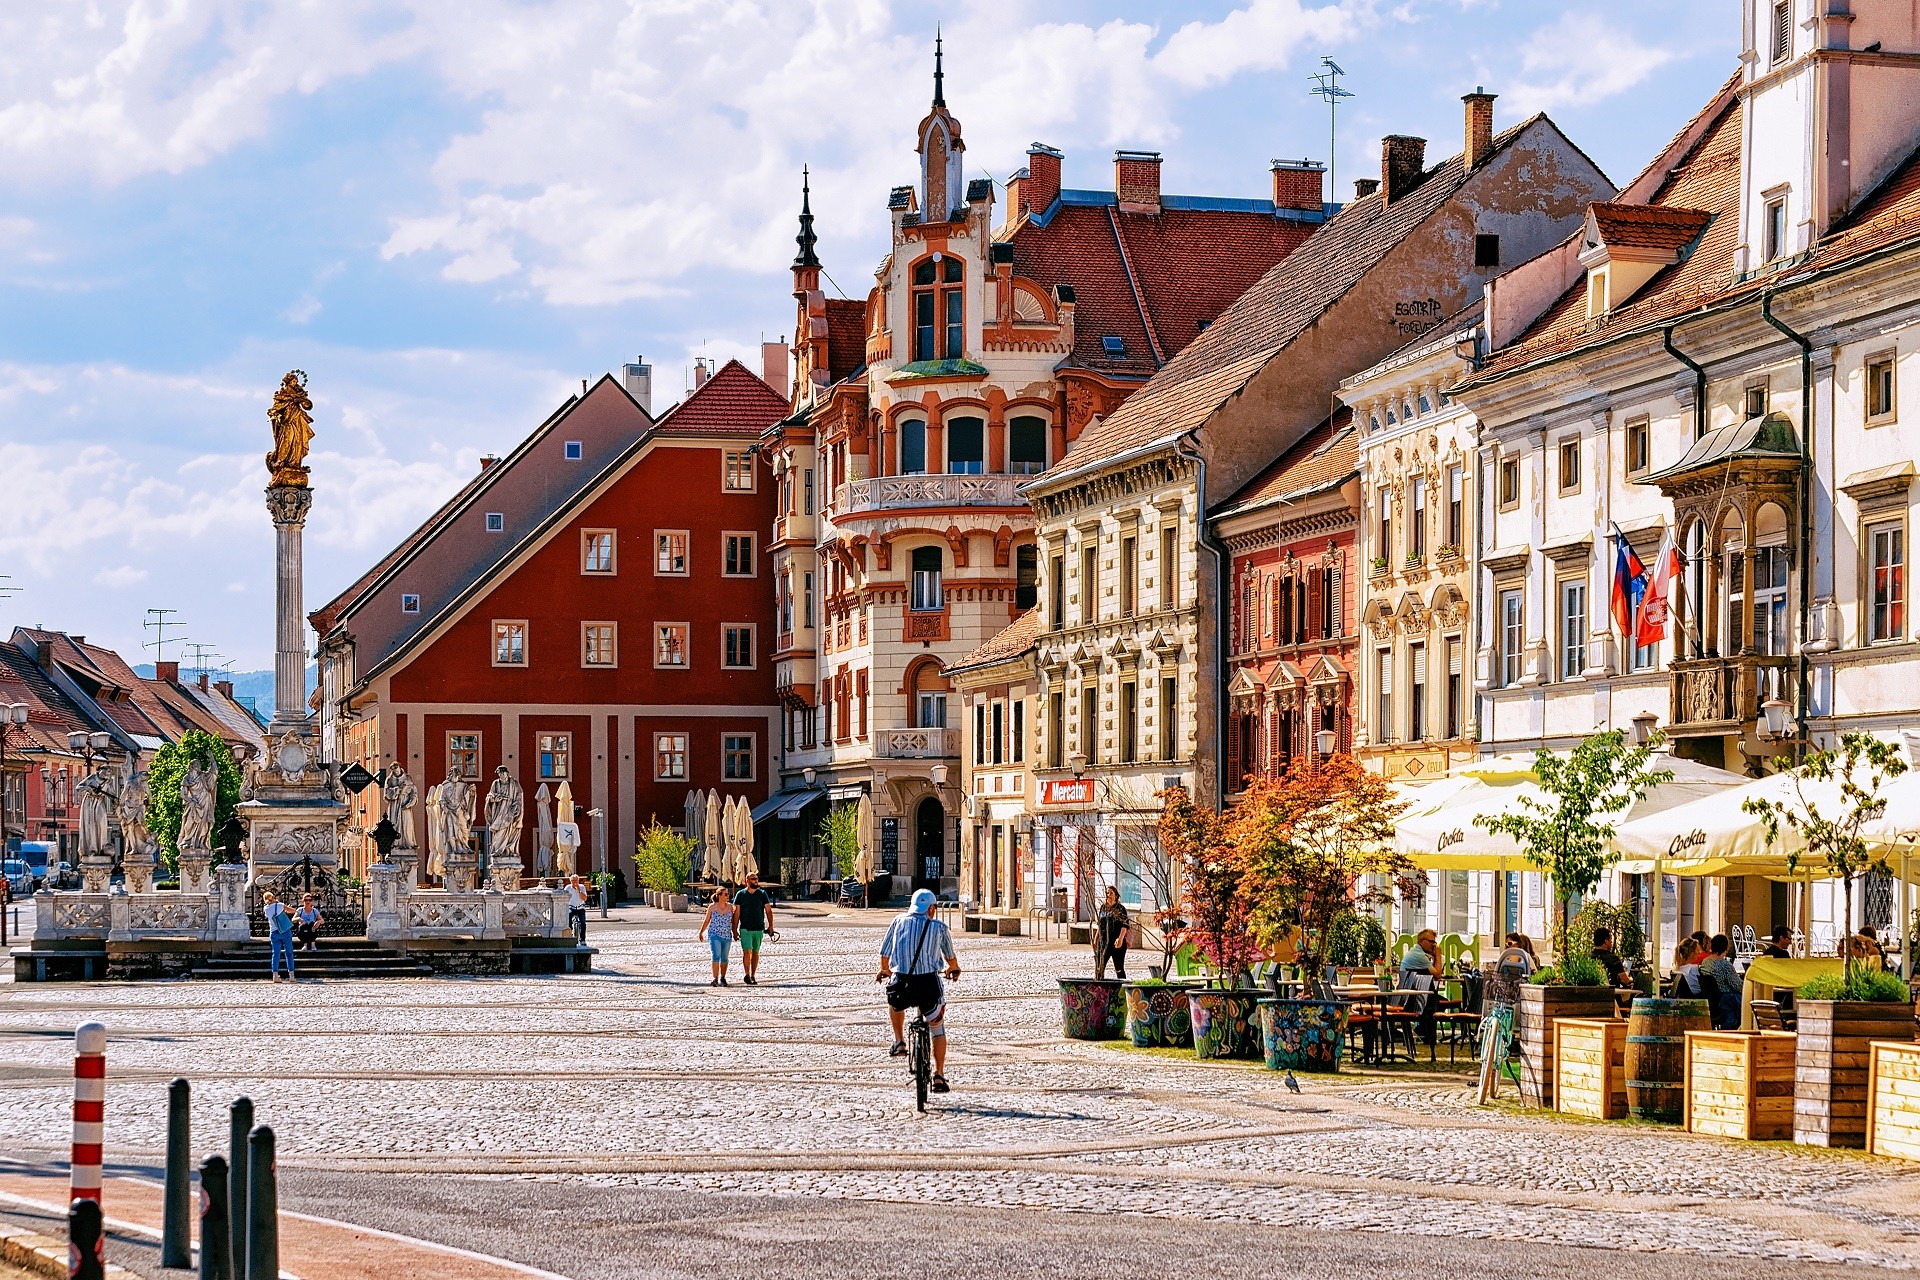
{"points": [[927, 595], [913, 448], [927, 693], [1027, 446], [939, 309], [966, 446]]}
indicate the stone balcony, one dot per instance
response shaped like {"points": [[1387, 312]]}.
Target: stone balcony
{"points": [[1717, 696], [917, 744], [889, 493]]}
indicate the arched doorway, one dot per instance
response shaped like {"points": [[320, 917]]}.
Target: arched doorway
{"points": [[930, 844]]}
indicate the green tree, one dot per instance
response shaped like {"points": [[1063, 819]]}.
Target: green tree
{"points": [[1830, 826], [840, 834], [163, 788], [1568, 836], [663, 859]]}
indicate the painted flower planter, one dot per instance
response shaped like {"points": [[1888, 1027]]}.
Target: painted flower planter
{"points": [[1303, 1035], [1158, 1016], [1225, 1023], [1092, 1009]]}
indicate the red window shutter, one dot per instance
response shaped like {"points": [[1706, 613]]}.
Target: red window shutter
{"points": [[1234, 770], [1313, 607]]}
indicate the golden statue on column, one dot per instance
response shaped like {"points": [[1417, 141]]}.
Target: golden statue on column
{"points": [[292, 418]]}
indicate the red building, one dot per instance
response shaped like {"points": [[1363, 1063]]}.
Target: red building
{"points": [[1290, 533], [619, 638]]}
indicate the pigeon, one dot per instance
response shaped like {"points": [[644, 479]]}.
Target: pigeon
{"points": [[1293, 1086]]}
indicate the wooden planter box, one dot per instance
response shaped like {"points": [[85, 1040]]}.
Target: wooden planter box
{"points": [[1590, 1067], [1893, 1113], [1830, 1070], [1533, 1021], [1740, 1084]]}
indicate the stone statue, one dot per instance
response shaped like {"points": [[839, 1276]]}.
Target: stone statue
{"points": [[436, 833], [456, 817], [136, 840], [506, 811], [543, 832], [96, 807], [199, 793], [292, 418], [399, 793]]}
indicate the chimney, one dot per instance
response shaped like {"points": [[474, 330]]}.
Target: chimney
{"points": [[1297, 184], [224, 688], [168, 671], [1479, 127], [1043, 177], [1364, 187], [1136, 180], [700, 373], [203, 682], [637, 377], [487, 460], [773, 366], [1402, 161]]}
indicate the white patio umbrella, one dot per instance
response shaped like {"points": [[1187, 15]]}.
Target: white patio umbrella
{"points": [[748, 863], [566, 832], [712, 834], [543, 832], [863, 868]]}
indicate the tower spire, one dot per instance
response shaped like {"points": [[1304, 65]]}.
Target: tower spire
{"points": [[806, 239], [939, 76]]}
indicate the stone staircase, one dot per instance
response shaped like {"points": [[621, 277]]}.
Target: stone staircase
{"points": [[334, 958]]}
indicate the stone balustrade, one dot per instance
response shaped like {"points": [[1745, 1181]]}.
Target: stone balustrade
{"points": [[883, 493]]}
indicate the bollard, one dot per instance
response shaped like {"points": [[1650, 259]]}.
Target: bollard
{"points": [[175, 1226], [89, 1110], [86, 1241], [216, 1263], [263, 1209], [239, 1124]]}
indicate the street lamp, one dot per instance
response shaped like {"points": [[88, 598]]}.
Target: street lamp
{"points": [[939, 775], [600, 847], [13, 714], [1324, 740], [88, 743], [807, 776], [1773, 713]]}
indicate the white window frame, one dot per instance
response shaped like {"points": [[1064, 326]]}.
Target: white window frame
{"points": [[502, 627], [727, 537], [496, 522], [670, 750], [1872, 535], [409, 602], [563, 750], [612, 658], [1888, 361], [1510, 653], [1573, 630], [455, 751], [686, 646], [735, 465], [727, 631], [661, 554], [588, 539], [727, 753]]}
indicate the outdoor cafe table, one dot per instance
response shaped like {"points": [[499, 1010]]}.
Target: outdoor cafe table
{"points": [[1380, 996], [1766, 974]]}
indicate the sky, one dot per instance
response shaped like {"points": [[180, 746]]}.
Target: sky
{"points": [[449, 212]]}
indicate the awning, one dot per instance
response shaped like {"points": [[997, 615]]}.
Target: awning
{"points": [[786, 804]]}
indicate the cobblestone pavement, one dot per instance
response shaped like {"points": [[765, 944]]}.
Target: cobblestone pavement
{"points": [[642, 1081]]}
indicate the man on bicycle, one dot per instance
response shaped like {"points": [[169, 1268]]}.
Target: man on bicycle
{"points": [[910, 960]]}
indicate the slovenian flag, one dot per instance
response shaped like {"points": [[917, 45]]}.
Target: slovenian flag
{"points": [[1629, 582], [1656, 609]]}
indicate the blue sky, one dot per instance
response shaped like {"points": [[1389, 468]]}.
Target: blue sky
{"points": [[449, 213]]}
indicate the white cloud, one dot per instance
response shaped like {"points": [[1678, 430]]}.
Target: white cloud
{"points": [[1581, 60], [118, 579], [305, 308]]}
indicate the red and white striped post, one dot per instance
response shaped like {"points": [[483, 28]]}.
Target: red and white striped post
{"points": [[89, 1109]]}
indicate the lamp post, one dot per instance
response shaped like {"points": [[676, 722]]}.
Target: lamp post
{"points": [[88, 743], [600, 851], [13, 714]]}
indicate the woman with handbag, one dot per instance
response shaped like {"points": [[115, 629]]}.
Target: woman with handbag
{"points": [[1111, 928]]}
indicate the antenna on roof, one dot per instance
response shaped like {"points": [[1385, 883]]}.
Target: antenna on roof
{"points": [[5, 589], [201, 654], [159, 623], [1326, 84]]}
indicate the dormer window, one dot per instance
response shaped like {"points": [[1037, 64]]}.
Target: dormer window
{"points": [[1774, 230], [1781, 35], [1627, 245], [939, 308], [1115, 346]]}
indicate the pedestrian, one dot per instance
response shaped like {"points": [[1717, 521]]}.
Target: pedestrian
{"points": [[753, 921], [577, 909], [306, 924], [1111, 928], [1516, 961], [279, 937], [718, 929]]}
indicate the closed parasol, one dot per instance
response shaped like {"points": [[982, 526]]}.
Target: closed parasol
{"points": [[543, 832], [863, 866], [713, 840]]}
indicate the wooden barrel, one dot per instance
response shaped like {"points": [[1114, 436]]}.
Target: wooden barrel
{"points": [[1657, 1056]]}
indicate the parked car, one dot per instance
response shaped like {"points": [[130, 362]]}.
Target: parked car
{"points": [[19, 877]]}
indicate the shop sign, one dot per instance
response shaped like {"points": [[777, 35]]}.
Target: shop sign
{"points": [[1058, 791]]}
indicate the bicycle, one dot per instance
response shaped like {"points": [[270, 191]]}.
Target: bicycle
{"points": [[920, 1057]]}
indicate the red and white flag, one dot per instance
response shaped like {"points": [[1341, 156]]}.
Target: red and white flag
{"points": [[1656, 606]]}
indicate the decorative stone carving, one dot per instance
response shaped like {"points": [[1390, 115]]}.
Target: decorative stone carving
{"points": [[230, 923], [398, 794], [506, 813]]}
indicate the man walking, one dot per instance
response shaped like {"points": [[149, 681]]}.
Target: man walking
{"points": [[753, 921]]}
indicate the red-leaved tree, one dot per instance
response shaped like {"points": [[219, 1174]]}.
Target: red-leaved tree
{"points": [[1214, 907]]}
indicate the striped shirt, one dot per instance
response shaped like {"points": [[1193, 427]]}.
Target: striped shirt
{"points": [[909, 948]]}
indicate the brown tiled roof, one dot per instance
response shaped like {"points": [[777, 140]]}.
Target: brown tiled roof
{"points": [[120, 694], [50, 715], [1181, 268], [846, 337], [1327, 455], [1648, 226], [1016, 639], [1278, 308], [733, 402]]}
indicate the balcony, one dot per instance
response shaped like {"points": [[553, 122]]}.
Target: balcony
{"points": [[918, 744], [1720, 696], [888, 493]]}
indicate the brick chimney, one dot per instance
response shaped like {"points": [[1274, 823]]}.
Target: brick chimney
{"points": [[700, 373], [1136, 180], [487, 460], [224, 688], [1402, 161], [1042, 187], [1364, 187], [1479, 127], [168, 671], [773, 366], [1297, 184]]}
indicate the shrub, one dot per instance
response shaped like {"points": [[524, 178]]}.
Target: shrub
{"points": [[663, 860], [1859, 984], [1582, 971], [840, 835], [1629, 941], [1356, 940], [1545, 976]]}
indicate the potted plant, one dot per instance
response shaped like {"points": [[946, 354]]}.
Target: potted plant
{"points": [[1839, 1014], [1447, 551], [1575, 988], [1379, 565], [1214, 907], [1308, 843], [663, 860], [1415, 561]]}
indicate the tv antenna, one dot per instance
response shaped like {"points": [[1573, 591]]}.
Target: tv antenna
{"points": [[202, 653], [160, 621], [1326, 84], [6, 587]]}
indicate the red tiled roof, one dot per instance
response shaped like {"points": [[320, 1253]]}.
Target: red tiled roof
{"points": [[733, 402], [50, 716], [1327, 455], [1016, 639], [1648, 226], [846, 337], [1278, 308], [117, 691], [1180, 268]]}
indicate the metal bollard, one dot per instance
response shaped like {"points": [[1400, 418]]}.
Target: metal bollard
{"points": [[175, 1224], [86, 1241], [89, 1110], [263, 1209], [239, 1124], [216, 1262]]}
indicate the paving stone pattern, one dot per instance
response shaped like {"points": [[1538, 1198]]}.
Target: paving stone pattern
{"points": [[641, 1075]]}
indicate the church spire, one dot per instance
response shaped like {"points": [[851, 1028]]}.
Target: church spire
{"points": [[806, 239], [939, 76]]}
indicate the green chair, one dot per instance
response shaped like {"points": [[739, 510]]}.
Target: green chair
{"points": [[1401, 945], [1186, 962]]}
